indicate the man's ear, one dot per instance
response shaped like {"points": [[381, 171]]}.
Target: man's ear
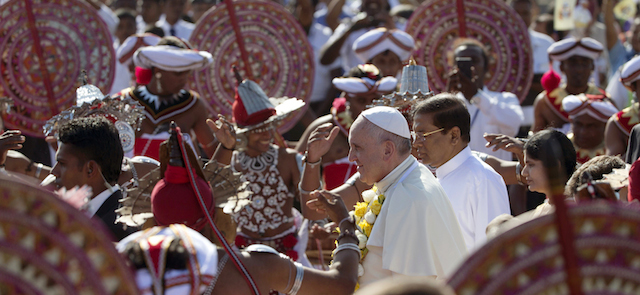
{"points": [[455, 135], [92, 168], [389, 149]]}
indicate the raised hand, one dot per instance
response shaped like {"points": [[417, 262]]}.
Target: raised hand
{"points": [[223, 131], [326, 202], [10, 140], [459, 82], [507, 143], [320, 141]]}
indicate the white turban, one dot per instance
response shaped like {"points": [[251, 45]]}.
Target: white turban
{"points": [[171, 58], [598, 107], [203, 260], [630, 71], [380, 40], [364, 85], [127, 49], [569, 47], [389, 119]]}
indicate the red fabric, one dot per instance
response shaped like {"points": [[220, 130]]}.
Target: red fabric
{"points": [[550, 80], [143, 76], [634, 182], [175, 202], [153, 150], [339, 104], [243, 119], [334, 175]]}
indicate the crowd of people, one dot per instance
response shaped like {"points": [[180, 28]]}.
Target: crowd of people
{"points": [[405, 193]]}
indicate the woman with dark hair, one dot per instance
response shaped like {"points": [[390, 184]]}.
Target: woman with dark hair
{"points": [[550, 160]]}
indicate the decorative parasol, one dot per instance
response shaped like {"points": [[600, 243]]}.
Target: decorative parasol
{"points": [[279, 57], [530, 258], [44, 47], [436, 24], [49, 247]]}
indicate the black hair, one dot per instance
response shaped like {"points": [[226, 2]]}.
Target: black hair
{"points": [[125, 13], [364, 70], [174, 41], [448, 111], [158, 31], [176, 257], [468, 42], [597, 167], [557, 154], [95, 139]]}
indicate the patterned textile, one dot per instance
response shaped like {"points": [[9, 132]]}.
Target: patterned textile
{"points": [[49, 247], [527, 259], [161, 111], [45, 47], [435, 25], [627, 118], [281, 57], [555, 97], [270, 193]]}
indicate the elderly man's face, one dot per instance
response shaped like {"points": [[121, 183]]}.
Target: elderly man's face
{"points": [[588, 132], [367, 152], [578, 70], [431, 149]]}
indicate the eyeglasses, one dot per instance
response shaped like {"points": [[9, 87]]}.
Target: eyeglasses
{"points": [[423, 136]]}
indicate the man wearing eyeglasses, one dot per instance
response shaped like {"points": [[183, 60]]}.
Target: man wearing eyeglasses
{"points": [[441, 127]]}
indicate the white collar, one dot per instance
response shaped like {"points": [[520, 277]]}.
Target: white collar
{"points": [[386, 182], [453, 163], [97, 201]]}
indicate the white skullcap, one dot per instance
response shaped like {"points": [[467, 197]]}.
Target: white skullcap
{"points": [[354, 85], [599, 107], [171, 58], [128, 48], [630, 71], [203, 259], [379, 40], [564, 49], [389, 119]]}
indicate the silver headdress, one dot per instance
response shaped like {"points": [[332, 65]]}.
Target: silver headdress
{"points": [[414, 87]]}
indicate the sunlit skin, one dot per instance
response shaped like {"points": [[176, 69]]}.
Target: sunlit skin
{"points": [[69, 170], [258, 142], [365, 151], [434, 149], [578, 70], [536, 175], [388, 63], [588, 132]]}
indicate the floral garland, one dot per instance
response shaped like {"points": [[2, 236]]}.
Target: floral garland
{"points": [[365, 214]]}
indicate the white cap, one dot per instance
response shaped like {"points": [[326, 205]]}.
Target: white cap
{"points": [[564, 49], [380, 40], [171, 58], [354, 85], [630, 71], [389, 119], [598, 107], [125, 52]]}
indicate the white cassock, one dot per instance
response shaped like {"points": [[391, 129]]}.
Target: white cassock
{"points": [[416, 232], [477, 193], [493, 112]]}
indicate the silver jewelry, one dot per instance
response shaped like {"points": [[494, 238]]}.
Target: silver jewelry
{"points": [[158, 84], [306, 192], [312, 165], [348, 246], [38, 170], [298, 282]]}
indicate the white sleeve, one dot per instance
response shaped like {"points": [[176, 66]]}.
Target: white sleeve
{"points": [[491, 201], [109, 18], [502, 109]]}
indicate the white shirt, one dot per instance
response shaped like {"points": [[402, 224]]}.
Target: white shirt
{"points": [[182, 29], [482, 197], [348, 58], [539, 45], [416, 232], [493, 112], [97, 201], [318, 36]]}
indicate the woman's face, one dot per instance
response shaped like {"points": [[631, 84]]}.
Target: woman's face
{"points": [[536, 175]]}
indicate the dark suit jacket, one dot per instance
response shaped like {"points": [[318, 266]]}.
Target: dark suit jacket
{"points": [[107, 213]]}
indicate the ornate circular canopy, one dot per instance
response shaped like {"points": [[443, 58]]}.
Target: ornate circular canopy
{"points": [[280, 55], [528, 260], [434, 26], [49, 247], [45, 47]]}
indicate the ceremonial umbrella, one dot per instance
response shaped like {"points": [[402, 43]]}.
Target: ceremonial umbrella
{"points": [[436, 24], [45, 46], [267, 45]]}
